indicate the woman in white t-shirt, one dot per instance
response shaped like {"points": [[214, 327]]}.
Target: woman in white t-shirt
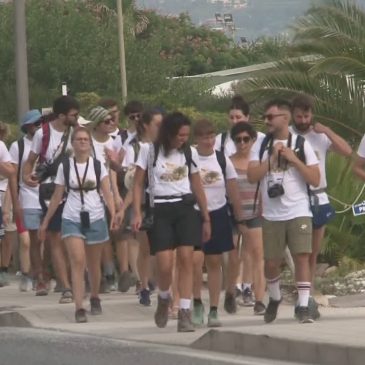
{"points": [[84, 227], [173, 177]]}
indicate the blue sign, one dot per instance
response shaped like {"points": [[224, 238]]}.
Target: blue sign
{"points": [[358, 209]]}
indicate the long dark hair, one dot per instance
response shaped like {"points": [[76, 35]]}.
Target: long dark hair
{"points": [[171, 124], [239, 103], [145, 120]]}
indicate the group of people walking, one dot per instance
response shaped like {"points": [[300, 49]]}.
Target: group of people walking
{"points": [[110, 208]]}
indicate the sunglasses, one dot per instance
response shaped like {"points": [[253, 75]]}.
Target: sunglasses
{"points": [[134, 116], [239, 140], [271, 117], [108, 121]]}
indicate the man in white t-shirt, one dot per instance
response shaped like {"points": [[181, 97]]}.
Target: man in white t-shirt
{"points": [[283, 165], [31, 212], [50, 143], [7, 171], [322, 139]]}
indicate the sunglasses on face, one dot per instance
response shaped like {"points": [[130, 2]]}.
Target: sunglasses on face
{"points": [[240, 140], [134, 116], [271, 117], [108, 121]]}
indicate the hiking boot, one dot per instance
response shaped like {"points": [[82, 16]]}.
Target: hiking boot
{"points": [[230, 305], [162, 312], [213, 320], [25, 283], [313, 309], [184, 323], [145, 297], [124, 282], [80, 316], [259, 309], [41, 289], [271, 310], [66, 297], [198, 315], [247, 298], [304, 316], [95, 307]]}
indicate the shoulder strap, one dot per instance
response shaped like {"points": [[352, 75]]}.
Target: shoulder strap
{"points": [[136, 147], [45, 140], [299, 148], [223, 141], [156, 148], [66, 172], [20, 157], [97, 168], [123, 135], [221, 158], [189, 158]]}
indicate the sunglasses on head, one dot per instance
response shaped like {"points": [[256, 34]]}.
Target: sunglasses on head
{"points": [[245, 139], [270, 117]]}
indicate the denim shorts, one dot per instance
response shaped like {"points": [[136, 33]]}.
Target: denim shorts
{"points": [[32, 218], [97, 233]]}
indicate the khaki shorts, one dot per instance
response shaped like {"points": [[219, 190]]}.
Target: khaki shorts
{"points": [[295, 233]]}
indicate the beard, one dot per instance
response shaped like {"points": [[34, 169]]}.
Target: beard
{"points": [[302, 127]]}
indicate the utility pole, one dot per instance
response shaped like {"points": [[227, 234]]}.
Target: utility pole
{"points": [[122, 63], [21, 61]]}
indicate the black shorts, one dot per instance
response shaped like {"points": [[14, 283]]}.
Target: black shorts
{"points": [[175, 224], [222, 237], [56, 221]]}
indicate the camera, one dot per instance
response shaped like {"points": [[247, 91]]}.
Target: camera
{"points": [[42, 172], [275, 191]]}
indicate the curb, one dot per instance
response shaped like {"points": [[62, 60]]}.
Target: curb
{"points": [[13, 319], [275, 348]]}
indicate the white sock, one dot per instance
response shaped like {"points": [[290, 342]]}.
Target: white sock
{"points": [[185, 303], [273, 286], [164, 294], [246, 286], [304, 289], [239, 286]]}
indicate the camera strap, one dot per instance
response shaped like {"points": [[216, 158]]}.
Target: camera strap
{"points": [[81, 182]]}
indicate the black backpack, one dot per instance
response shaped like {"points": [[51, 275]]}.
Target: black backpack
{"points": [[223, 141], [221, 158], [66, 173], [267, 144]]}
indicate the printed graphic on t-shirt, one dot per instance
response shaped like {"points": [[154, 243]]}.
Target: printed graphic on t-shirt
{"points": [[174, 172], [209, 177], [129, 176]]}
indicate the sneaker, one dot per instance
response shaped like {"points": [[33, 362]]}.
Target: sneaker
{"points": [[104, 286], [230, 305], [41, 289], [162, 312], [95, 307], [259, 309], [304, 316], [58, 288], [184, 323], [80, 316], [247, 298], [25, 283], [213, 320], [238, 292], [124, 282], [271, 310], [145, 297], [66, 297], [313, 309], [4, 279], [110, 279], [198, 315]]}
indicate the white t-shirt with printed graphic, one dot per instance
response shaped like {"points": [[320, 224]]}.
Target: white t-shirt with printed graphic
{"points": [[295, 202], [28, 196], [93, 203], [229, 145], [129, 163], [118, 144], [320, 144], [213, 180], [99, 149], [171, 174]]}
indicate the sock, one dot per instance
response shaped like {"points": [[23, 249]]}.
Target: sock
{"points": [[274, 288], [197, 301], [304, 289], [213, 309], [185, 303], [239, 286], [164, 294], [246, 286], [109, 268]]}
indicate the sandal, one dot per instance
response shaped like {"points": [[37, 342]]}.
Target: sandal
{"points": [[66, 297]]}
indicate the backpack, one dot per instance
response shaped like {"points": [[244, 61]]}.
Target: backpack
{"points": [[66, 173], [267, 144], [223, 141], [20, 157], [221, 158]]}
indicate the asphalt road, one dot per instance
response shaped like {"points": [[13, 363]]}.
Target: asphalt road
{"points": [[20, 346]]}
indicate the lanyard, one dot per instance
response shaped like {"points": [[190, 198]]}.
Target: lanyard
{"points": [[81, 183]]}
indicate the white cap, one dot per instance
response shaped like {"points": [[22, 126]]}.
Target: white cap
{"points": [[81, 121]]}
